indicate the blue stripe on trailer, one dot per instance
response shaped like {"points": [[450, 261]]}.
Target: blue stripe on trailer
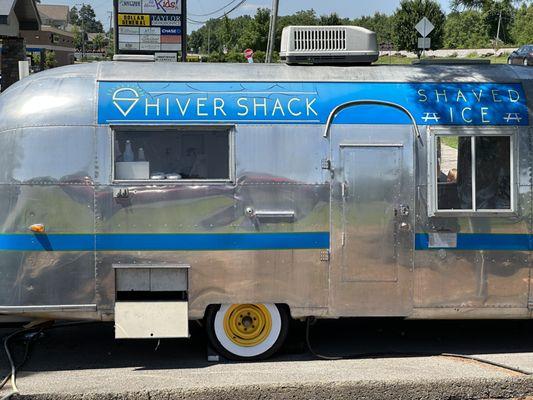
{"points": [[164, 242], [481, 241], [233, 241]]}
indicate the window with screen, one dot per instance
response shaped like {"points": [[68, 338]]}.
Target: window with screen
{"points": [[473, 173], [172, 155]]}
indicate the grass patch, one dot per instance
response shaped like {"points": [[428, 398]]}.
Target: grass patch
{"points": [[451, 141]]}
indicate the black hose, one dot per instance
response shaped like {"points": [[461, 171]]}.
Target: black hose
{"points": [[311, 320], [37, 330]]}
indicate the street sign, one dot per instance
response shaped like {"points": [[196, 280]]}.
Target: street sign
{"points": [[424, 43], [424, 27], [248, 53]]}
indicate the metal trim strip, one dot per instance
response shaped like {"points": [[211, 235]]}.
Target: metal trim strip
{"points": [[48, 308]]}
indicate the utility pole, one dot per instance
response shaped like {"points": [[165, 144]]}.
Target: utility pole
{"points": [[208, 39], [272, 31], [110, 13], [497, 41], [81, 5], [498, 30]]}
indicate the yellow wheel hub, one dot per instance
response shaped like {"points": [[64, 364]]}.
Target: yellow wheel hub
{"points": [[247, 324]]}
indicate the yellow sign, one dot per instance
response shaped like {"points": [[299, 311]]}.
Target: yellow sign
{"points": [[133, 20]]}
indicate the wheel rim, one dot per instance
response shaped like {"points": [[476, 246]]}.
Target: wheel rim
{"points": [[260, 341], [247, 324], [525, 62]]}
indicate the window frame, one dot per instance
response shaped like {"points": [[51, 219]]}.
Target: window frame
{"points": [[230, 129], [472, 132]]}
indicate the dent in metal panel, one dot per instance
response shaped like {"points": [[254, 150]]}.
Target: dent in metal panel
{"points": [[459, 278], [46, 277], [294, 277]]}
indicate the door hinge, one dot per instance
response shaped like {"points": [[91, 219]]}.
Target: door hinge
{"points": [[530, 305], [324, 255], [325, 163]]}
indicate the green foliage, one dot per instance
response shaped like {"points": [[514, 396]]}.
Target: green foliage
{"points": [[472, 24], [78, 38], [98, 42], [50, 59], [491, 15], [85, 18], [522, 28], [465, 30], [491, 11], [73, 16], [408, 15], [380, 23]]}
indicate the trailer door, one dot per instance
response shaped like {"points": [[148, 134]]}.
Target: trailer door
{"points": [[372, 220]]}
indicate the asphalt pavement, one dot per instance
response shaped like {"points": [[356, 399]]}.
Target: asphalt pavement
{"points": [[384, 359]]}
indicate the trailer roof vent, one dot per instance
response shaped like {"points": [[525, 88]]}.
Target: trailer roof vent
{"points": [[328, 45]]}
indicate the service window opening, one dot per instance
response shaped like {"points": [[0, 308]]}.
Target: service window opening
{"points": [[474, 173], [174, 155]]}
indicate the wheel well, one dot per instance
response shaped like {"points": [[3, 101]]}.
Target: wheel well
{"points": [[285, 306]]}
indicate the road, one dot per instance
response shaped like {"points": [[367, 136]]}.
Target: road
{"points": [[85, 362]]}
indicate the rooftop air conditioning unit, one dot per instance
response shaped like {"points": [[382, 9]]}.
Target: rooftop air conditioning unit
{"points": [[328, 45]]}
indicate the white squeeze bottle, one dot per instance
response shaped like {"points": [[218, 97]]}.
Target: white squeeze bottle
{"points": [[140, 155], [128, 152]]}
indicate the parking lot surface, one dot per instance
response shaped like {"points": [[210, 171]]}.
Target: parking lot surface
{"points": [[385, 359]]}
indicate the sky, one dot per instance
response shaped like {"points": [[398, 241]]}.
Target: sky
{"points": [[345, 8]]}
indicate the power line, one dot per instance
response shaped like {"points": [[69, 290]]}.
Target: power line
{"points": [[222, 16], [216, 11]]}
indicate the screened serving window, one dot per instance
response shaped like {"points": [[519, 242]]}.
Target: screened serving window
{"points": [[172, 154], [473, 173]]}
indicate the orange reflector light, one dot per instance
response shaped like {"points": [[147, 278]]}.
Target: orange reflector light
{"points": [[37, 228]]}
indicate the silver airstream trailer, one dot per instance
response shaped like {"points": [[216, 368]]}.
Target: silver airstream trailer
{"points": [[152, 194]]}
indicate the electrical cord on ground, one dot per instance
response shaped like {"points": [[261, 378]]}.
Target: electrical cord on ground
{"points": [[11, 376], [36, 330], [311, 320]]}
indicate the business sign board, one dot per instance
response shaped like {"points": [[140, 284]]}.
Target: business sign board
{"points": [[166, 57], [150, 26], [446, 103]]}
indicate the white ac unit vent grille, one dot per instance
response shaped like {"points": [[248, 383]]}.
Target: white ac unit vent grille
{"points": [[319, 39]]}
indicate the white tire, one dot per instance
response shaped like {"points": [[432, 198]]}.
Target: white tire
{"points": [[226, 330]]}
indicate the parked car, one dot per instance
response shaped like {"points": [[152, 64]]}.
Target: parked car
{"points": [[522, 56]]}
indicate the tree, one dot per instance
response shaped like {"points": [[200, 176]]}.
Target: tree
{"points": [[99, 42], [333, 19], [408, 15], [380, 23], [78, 38], [522, 28], [50, 59], [465, 30], [73, 16], [491, 11], [88, 21]]}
